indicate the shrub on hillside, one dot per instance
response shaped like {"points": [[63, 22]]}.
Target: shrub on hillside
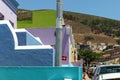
{"points": [[24, 15]]}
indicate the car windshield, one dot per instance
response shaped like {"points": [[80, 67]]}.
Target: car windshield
{"points": [[109, 69]]}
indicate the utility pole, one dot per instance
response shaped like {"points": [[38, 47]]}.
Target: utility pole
{"points": [[59, 20]]}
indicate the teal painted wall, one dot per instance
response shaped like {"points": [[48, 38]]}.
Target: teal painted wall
{"points": [[40, 73]]}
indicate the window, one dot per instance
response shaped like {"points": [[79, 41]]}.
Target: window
{"points": [[11, 23], [110, 69], [1, 16]]}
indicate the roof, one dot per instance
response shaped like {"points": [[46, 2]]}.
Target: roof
{"points": [[12, 4]]}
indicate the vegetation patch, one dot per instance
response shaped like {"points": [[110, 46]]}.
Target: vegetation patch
{"points": [[37, 19], [24, 15]]}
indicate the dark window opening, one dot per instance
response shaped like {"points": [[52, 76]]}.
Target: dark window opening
{"points": [[1, 16], [12, 23]]}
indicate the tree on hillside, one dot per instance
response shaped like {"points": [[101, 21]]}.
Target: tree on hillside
{"points": [[88, 38], [24, 15], [117, 33], [84, 21], [88, 56], [118, 41]]}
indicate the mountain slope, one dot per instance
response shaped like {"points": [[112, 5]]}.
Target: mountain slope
{"points": [[81, 24], [80, 31]]}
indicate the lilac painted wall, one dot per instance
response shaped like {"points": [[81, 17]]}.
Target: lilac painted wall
{"points": [[65, 47], [47, 36], [8, 13]]}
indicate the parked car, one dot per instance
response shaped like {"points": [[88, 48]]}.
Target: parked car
{"points": [[107, 72]]}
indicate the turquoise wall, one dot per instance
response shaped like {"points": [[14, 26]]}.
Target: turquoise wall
{"points": [[40, 73]]}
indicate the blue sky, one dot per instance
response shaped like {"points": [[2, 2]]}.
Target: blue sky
{"points": [[103, 8]]}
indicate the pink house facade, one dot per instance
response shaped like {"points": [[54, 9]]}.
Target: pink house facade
{"points": [[8, 11]]}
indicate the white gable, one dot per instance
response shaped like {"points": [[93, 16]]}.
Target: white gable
{"points": [[8, 13]]}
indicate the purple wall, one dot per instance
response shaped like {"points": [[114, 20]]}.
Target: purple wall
{"points": [[47, 36]]}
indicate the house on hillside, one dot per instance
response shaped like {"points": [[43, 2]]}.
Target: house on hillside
{"points": [[112, 56], [8, 11]]}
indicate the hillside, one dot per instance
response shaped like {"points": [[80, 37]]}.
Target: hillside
{"points": [[81, 24], [36, 19]]}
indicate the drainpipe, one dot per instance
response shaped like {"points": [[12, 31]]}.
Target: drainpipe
{"points": [[59, 19]]}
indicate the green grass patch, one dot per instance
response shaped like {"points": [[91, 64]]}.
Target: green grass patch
{"points": [[24, 24], [40, 19]]}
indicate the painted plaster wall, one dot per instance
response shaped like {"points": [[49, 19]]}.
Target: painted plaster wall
{"points": [[40, 73], [31, 40], [47, 36], [21, 38], [65, 47], [8, 13], [25, 38], [9, 56]]}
